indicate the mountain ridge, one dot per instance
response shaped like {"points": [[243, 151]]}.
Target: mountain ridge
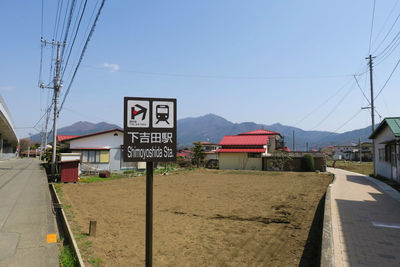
{"points": [[213, 128]]}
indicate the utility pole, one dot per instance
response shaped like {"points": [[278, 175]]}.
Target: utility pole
{"points": [[359, 147], [370, 58], [56, 87], [294, 142], [306, 146]]}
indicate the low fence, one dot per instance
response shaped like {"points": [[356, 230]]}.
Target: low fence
{"points": [[294, 162]]}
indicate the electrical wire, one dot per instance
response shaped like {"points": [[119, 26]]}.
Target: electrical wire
{"points": [[334, 108], [390, 30], [372, 27], [82, 54], [362, 91], [322, 104], [388, 79], [73, 41], [204, 76], [68, 27]]}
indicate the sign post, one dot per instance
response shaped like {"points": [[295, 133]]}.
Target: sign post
{"points": [[150, 136]]}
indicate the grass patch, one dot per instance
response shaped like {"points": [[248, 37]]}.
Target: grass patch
{"points": [[366, 168], [67, 258], [96, 261]]}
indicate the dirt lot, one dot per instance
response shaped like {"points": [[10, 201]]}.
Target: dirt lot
{"points": [[203, 218]]}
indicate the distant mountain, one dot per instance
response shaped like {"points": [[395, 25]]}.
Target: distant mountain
{"points": [[80, 128], [213, 128]]}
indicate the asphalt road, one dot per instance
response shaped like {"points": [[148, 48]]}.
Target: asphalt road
{"points": [[26, 216]]}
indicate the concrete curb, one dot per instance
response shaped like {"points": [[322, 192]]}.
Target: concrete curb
{"points": [[327, 253], [66, 228]]}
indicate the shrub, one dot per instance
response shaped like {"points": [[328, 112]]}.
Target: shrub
{"points": [[308, 163]]}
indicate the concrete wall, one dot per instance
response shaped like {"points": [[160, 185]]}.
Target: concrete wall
{"points": [[238, 161], [383, 168]]}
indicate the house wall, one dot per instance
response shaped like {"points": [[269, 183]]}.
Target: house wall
{"points": [[238, 161], [105, 140], [383, 168], [98, 141]]}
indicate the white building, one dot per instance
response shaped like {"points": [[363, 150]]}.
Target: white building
{"points": [[101, 151], [344, 151], [387, 148]]}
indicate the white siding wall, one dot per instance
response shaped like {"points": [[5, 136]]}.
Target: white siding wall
{"points": [[107, 140], [97, 141], [238, 161], [383, 168]]}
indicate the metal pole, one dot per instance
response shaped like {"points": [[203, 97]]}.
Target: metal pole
{"points": [[372, 108], [149, 214], [57, 86]]}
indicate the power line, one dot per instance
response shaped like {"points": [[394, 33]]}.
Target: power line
{"points": [[384, 24], [341, 126], [322, 104], [388, 79], [73, 41], [362, 91], [68, 26], [372, 27], [390, 30], [82, 54], [334, 108], [204, 76]]}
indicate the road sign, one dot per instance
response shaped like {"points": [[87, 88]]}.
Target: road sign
{"points": [[149, 129]]}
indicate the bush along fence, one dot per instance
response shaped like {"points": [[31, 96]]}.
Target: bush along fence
{"points": [[295, 161]]}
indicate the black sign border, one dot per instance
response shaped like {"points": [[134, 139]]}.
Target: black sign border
{"points": [[150, 128]]}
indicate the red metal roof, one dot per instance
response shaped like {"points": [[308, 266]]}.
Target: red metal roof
{"points": [[244, 140], [98, 133], [61, 138], [90, 148], [243, 150], [260, 132]]}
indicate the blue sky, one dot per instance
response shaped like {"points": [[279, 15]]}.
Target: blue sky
{"points": [[261, 61]]}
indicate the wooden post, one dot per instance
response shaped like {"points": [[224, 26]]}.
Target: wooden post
{"points": [[92, 228]]}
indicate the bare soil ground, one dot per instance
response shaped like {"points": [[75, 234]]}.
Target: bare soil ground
{"points": [[203, 218]]}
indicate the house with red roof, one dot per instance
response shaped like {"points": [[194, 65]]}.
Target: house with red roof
{"points": [[100, 150], [246, 151]]}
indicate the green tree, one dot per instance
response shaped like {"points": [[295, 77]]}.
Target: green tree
{"points": [[198, 153]]}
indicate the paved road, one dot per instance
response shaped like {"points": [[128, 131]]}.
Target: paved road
{"points": [[25, 215], [365, 221]]}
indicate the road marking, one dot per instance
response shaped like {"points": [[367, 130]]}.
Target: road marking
{"points": [[51, 238], [386, 225]]}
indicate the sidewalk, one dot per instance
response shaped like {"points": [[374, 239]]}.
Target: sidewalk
{"points": [[26, 217], [365, 221]]}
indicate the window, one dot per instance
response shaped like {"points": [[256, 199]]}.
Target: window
{"points": [[96, 156], [254, 155], [387, 153], [381, 152]]}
